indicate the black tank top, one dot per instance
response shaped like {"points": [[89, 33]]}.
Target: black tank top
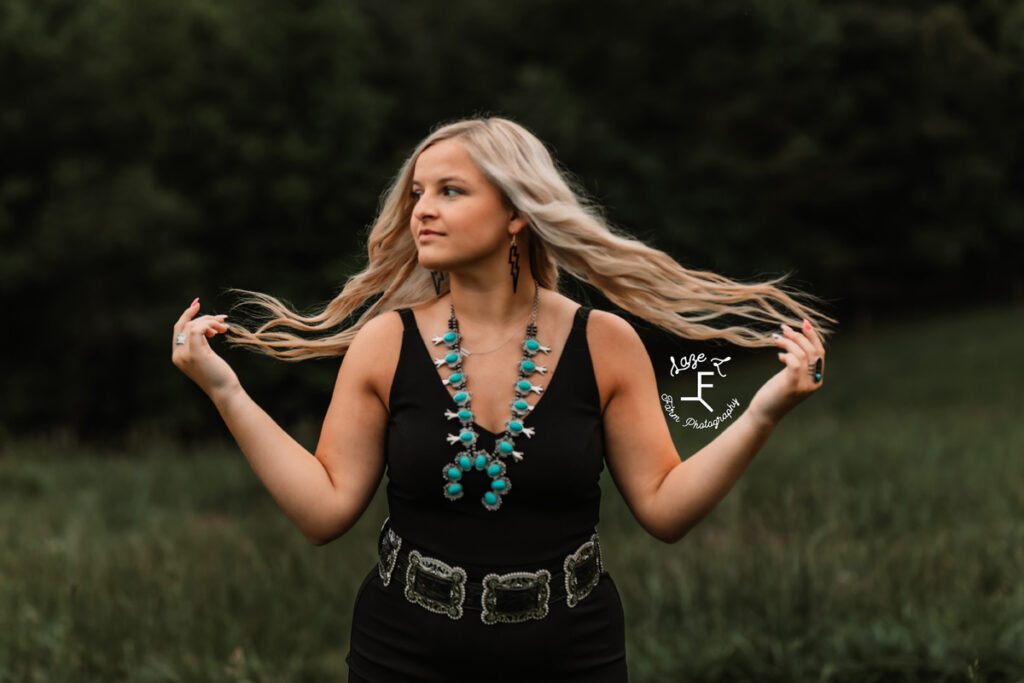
{"points": [[554, 500]]}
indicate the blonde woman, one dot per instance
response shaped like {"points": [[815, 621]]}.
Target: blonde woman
{"points": [[494, 402]]}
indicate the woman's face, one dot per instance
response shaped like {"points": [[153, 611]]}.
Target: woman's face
{"points": [[458, 216]]}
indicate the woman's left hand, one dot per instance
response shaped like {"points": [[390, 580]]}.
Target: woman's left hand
{"points": [[800, 351]]}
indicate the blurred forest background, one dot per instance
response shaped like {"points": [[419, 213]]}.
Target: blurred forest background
{"points": [[152, 151], [160, 150]]}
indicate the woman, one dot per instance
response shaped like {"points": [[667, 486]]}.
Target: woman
{"points": [[494, 401]]}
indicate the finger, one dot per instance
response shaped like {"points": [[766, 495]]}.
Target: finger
{"points": [[205, 319], [802, 341], [197, 331], [189, 312], [178, 349], [790, 346], [812, 335], [790, 361], [175, 344], [216, 328], [818, 355], [207, 326]]}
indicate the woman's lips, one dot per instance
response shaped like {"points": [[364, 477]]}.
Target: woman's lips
{"points": [[428, 234]]}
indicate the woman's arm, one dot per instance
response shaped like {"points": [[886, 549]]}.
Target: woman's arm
{"points": [[298, 482], [323, 495], [693, 487], [669, 497]]}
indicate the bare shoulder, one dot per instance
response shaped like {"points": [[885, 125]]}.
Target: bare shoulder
{"points": [[377, 335], [375, 350], [382, 326], [615, 348], [612, 340], [606, 328]]}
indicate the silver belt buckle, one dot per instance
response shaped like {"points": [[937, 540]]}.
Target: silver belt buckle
{"points": [[494, 584], [576, 590], [455, 577], [387, 553]]}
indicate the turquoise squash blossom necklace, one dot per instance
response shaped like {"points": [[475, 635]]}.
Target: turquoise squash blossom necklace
{"points": [[471, 457]]}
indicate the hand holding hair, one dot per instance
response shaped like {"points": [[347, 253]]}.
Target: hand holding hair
{"points": [[193, 355], [804, 357]]}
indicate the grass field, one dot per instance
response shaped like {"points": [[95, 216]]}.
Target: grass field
{"points": [[878, 536]]}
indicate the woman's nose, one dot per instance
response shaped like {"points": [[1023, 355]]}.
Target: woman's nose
{"points": [[424, 208]]}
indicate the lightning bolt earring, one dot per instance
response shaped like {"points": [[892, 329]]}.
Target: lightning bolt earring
{"points": [[437, 276], [513, 259]]}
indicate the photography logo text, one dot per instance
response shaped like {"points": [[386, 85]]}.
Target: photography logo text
{"points": [[693, 362]]}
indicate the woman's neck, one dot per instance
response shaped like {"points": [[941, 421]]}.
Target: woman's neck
{"points": [[494, 305]]}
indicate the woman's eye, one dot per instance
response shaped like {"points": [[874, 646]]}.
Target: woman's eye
{"points": [[447, 191]]}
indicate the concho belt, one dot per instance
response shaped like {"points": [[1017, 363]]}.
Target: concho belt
{"points": [[507, 598]]}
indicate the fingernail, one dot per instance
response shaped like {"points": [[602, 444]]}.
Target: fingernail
{"points": [[222, 316], [194, 302], [807, 323], [785, 326], [776, 335]]}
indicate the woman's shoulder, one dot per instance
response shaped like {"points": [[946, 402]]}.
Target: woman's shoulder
{"points": [[609, 329], [379, 340], [381, 326], [614, 343], [375, 350], [616, 351]]}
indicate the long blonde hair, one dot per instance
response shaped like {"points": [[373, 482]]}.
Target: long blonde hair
{"points": [[568, 235]]}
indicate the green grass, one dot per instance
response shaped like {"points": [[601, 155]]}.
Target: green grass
{"points": [[878, 536]]}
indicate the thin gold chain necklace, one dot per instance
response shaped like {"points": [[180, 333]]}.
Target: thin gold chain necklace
{"points": [[484, 353]]}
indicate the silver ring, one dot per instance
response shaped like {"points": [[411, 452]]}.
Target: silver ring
{"points": [[179, 339], [814, 370]]}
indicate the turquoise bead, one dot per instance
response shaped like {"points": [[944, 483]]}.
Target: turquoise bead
{"points": [[523, 386], [521, 405], [532, 344], [498, 484], [491, 498], [461, 397], [451, 358], [481, 462], [454, 473], [505, 447], [465, 463], [465, 415], [493, 470], [515, 426], [455, 489], [466, 436], [455, 379], [529, 365], [450, 337]]}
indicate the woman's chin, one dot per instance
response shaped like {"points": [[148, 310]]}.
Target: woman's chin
{"points": [[430, 263], [434, 264]]}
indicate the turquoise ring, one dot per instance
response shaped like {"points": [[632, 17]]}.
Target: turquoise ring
{"points": [[815, 370]]}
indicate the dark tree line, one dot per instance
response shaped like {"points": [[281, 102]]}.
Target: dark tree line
{"points": [[159, 150]]}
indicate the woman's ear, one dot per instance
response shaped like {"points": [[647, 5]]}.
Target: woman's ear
{"points": [[517, 222]]}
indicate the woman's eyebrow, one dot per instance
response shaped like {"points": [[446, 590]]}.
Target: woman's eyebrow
{"points": [[446, 179]]}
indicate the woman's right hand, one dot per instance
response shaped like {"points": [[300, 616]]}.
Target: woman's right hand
{"points": [[196, 358]]}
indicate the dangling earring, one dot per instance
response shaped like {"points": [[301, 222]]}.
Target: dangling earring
{"points": [[513, 258], [437, 277]]}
